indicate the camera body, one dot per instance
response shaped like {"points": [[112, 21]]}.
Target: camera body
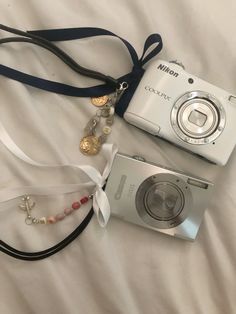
{"points": [[185, 110], [157, 197]]}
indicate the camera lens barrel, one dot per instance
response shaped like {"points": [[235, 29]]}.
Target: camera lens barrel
{"points": [[163, 201], [198, 117]]}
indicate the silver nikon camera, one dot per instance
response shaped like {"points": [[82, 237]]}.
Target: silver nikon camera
{"points": [[156, 197], [185, 110]]}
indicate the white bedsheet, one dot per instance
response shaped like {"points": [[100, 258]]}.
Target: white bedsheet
{"points": [[123, 268]]}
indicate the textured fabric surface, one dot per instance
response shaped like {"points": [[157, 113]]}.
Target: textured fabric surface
{"points": [[123, 268]]}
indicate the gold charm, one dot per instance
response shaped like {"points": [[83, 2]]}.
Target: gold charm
{"points": [[90, 145], [99, 101]]}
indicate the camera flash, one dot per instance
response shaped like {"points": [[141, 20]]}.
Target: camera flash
{"points": [[197, 183]]}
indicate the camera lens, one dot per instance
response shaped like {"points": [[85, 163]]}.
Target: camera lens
{"points": [[198, 117], [164, 201]]}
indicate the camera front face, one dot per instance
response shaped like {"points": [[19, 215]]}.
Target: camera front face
{"points": [[157, 198], [185, 110]]}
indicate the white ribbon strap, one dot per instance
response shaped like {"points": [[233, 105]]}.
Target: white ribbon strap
{"points": [[100, 201], [101, 204]]}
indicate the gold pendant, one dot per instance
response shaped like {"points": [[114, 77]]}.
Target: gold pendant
{"points": [[99, 101], [90, 145]]}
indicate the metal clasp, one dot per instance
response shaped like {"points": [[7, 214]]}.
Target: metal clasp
{"points": [[123, 86]]}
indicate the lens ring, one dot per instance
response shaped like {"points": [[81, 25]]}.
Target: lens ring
{"points": [[171, 205], [198, 117], [164, 201]]}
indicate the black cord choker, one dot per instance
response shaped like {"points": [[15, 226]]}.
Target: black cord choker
{"points": [[34, 256]]}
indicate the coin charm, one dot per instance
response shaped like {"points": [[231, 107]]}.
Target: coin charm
{"points": [[106, 130], [103, 119], [105, 112], [100, 101], [90, 145]]}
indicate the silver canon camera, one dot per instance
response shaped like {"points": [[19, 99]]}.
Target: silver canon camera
{"points": [[185, 110], [156, 197]]}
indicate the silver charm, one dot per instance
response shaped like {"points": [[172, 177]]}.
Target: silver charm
{"points": [[27, 206]]}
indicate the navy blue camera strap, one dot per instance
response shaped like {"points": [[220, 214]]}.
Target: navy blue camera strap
{"points": [[55, 35]]}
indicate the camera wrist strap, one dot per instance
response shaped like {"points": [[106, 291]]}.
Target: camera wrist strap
{"points": [[45, 39], [96, 182]]}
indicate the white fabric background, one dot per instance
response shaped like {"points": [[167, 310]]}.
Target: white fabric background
{"points": [[123, 268]]}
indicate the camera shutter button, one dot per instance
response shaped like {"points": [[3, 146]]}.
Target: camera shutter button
{"points": [[180, 64], [139, 158], [232, 99]]}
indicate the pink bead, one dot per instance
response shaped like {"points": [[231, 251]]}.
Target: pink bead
{"points": [[84, 200], [60, 216], [75, 205], [51, 219], [68, 211]]}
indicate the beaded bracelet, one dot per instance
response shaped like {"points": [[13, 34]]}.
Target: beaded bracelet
{"points": [[27, 206]]}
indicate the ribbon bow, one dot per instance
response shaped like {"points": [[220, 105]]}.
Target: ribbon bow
{"points": [[101, 204], [100, 201]]}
